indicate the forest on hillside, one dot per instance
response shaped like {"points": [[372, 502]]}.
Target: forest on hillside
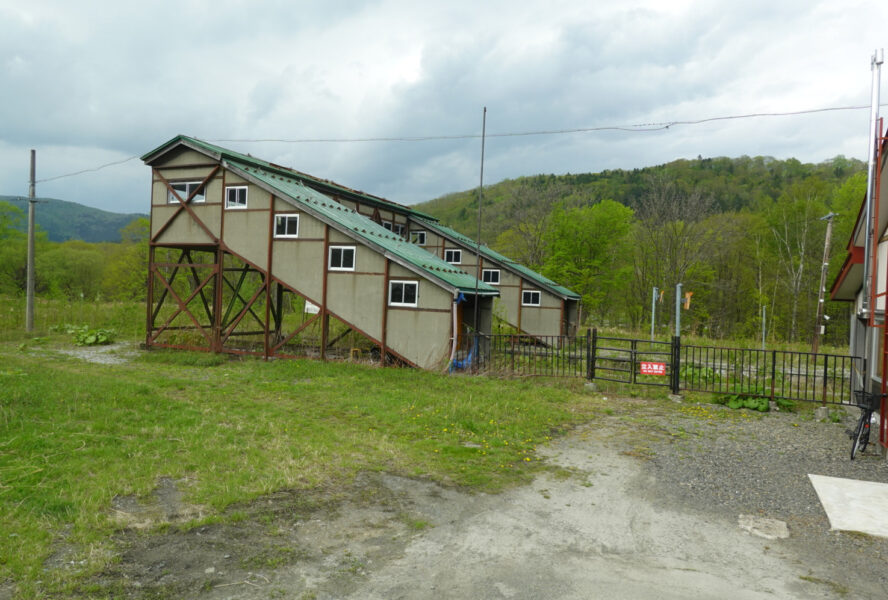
{"points": [[740, 234], [74, 269]]}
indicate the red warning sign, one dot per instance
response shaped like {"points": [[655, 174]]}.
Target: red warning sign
{"points": [[653, 368]]}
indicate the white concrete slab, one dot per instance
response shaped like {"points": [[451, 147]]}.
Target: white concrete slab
{"points": [[853, 505]]}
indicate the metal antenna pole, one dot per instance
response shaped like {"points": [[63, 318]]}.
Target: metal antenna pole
{"points": [[875, 66], [818, 322], [478, 240], [869, 232], [677, 310], [32, 200], [653, 311], [764, 327]]}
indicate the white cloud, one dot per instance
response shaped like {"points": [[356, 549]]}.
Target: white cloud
{"points": [[95, 82]]}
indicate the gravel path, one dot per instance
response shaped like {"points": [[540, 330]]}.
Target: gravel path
{"points": [[641, 503], [719, 461]]}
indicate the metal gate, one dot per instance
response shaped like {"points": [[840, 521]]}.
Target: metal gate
{"points": [[772, 374]]}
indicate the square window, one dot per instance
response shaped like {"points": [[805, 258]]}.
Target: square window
{"points": [[403, 293], [454, 257], [387, 225], [183, 189], [491, 276], [398, 228], [342, 258], [418, 237], [530, 298], [236, 196], [286, 226]]}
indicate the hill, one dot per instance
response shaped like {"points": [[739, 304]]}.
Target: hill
{"points": [[732, 183], [63, 220]]}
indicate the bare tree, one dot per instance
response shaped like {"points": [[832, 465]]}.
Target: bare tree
{"points": [[672, 235], [794, 223]]}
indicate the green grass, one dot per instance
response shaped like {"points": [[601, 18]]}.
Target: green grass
{"points": [[127, 319], [73, 435]]}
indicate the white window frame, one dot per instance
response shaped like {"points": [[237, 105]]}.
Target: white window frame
{"points": [[286, 218], [536, 293], [404, 283], [199, 197], [398, 228], [455, 255], [418, 238], [235, 188], [485, 272], [342, 249], [387, 225]]}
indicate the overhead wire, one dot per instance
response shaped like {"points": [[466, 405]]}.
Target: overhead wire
{"points": [[633, 128]]}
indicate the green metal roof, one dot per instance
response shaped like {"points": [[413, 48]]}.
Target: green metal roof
{"points": [[224, 153], [359, 226], [507, 262]]}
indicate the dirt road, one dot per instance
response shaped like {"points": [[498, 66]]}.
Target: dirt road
{"points": [[604, 523]]}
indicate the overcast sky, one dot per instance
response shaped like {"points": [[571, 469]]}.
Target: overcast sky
{"points": [[90, 83]]}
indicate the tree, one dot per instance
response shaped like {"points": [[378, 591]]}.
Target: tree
{"points": [[13, 250], [588, 251], [528, 209], [798, 233], [671, 238]]}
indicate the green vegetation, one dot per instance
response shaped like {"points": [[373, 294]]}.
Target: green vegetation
{"points": [[74, 269], [62, 220], [74, 435], [740, 234]]}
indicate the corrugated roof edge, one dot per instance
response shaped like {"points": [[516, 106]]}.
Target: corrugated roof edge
{"points": [[221, 152], [357, 225], [541, 280]]}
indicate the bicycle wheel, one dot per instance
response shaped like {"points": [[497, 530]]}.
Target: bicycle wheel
{"points": [[864, 435], [858, 435]]}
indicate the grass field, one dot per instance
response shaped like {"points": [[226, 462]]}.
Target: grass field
{"points": [[74, 434]]}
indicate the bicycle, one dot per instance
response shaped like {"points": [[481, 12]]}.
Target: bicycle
{"points": [[868, 404]]}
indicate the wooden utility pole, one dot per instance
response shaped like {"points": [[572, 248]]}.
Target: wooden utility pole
{"points": [[32, 200], [818, 326]]}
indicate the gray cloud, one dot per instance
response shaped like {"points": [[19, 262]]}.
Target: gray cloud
{"points": [[91, 86]]}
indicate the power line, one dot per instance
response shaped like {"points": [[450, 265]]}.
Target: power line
{"points": [[637, 127], [90, 170], [634, 128]]}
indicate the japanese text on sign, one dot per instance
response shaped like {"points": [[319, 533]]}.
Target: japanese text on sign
{"points": [[653, 368]]}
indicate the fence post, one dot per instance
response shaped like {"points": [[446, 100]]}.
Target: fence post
{"points": [[773, 372], [676, 363], [633, 361], [825, 375], [590, 354]]}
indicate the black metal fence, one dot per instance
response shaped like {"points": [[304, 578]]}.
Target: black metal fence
{"points": [[772, 374]]}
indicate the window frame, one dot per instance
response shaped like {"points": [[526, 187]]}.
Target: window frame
{"points": [[403, 282], [539, 298], [286, 218], [199, 198], [458, 252], [231, 188], [416, 235], [486, 271], [341, 248]]}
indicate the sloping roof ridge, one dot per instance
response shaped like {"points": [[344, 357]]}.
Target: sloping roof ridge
{"points": [[233, 154], [490, 253], [354, 221]]}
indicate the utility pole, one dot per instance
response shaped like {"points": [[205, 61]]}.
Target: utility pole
{"points": [[818, 326], [478, 240], [32, 200]]}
